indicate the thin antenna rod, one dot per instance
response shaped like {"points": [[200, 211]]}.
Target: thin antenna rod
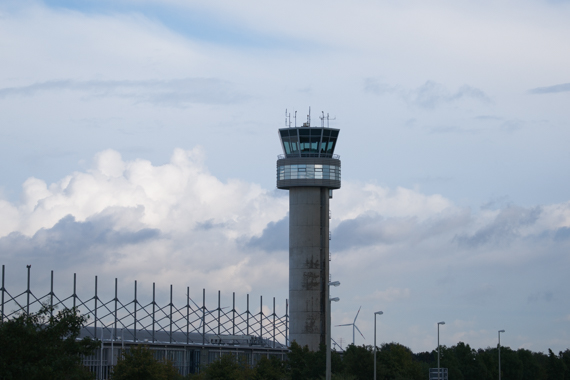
{"points": [[295, 119], [328, 118]]}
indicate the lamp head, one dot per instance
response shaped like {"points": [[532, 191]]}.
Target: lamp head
{"points": [[441, 323], [501, 331], [379, 312], [335, 299], [334, 283]]}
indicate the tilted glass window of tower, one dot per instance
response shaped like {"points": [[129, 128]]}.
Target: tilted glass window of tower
{"points": [[308, 142]]}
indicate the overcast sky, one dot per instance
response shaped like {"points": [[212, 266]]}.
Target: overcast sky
{"points": [[138, 140]]}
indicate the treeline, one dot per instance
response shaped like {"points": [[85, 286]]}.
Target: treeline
{"points": [[397, 362], [45, 346]]}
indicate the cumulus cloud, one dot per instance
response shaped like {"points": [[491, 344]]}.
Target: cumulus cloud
{"points": [[177, 223], [70, 242], [149, 219], [275, 237]]}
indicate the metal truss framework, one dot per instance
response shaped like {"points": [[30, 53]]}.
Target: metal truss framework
{"points": [[134, 322]]}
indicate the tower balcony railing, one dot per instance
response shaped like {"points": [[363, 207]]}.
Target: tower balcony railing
{"points": [[322, 155]]}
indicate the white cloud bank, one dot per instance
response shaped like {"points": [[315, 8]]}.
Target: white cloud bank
{"points": [[406, 252]]}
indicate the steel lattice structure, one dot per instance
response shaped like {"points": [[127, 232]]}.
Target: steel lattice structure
{"points": [[190, 327]]}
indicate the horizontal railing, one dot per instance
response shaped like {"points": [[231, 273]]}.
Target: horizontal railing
{"points": [[311, 155]]}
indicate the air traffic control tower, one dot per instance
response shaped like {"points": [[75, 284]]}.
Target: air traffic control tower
{"points": [[310, 170]]}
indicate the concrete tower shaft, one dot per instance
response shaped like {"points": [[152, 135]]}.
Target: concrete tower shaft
{"points": [[308, 264], [310, 171]]}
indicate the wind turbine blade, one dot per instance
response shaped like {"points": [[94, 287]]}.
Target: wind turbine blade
{"points": [[194, 303], [357, 314], [359, 331], [348, 324]]}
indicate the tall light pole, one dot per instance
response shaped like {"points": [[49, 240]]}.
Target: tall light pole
{"points": [[375, 314], [438, 371], [335, 299], [500, 331]]}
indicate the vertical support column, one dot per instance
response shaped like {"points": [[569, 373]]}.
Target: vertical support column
{"points": [[116, 318], [2, 311], [51, 296], [247, 316], [153, 308], [233, 308], [287, 322], [135, 314], [74, 289], [95, 311], [187, 316], [219, 311], [171, 313], [28, 292], [203, 317], [3, 290], [273, 322], [260, 317]]}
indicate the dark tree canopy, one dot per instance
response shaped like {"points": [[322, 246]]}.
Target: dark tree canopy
{"points": [[138, 363], [42, 346]]}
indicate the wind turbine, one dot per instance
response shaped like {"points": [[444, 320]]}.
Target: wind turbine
{"points": [[354, 327]]}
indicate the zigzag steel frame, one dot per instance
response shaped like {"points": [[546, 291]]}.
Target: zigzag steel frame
{"points": [[191, 335]]}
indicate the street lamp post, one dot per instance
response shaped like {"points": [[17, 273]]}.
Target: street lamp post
{"points": [[335, 299], [438, 371], [375, 314], [500, 331]]}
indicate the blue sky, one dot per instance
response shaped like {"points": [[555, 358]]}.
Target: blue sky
{"points": [[148, 130]]}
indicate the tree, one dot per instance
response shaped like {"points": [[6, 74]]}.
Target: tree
{"points": [[303, 364], [359, 361], [565, 356], [555, 367], [138, 363], [228, 368], [396, 361], [530, 365], [269, 369], [44, 346]]}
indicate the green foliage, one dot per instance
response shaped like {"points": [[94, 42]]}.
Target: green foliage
{"points": [[42, 346], [565, 357], [395, 361], [530, 365], [556, 367], [269, 369], [228, 368], [358, 361], [303, 364], [138, 363]]}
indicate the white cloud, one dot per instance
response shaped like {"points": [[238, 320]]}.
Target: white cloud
{"points": [[175, 196], [177, 223]]}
